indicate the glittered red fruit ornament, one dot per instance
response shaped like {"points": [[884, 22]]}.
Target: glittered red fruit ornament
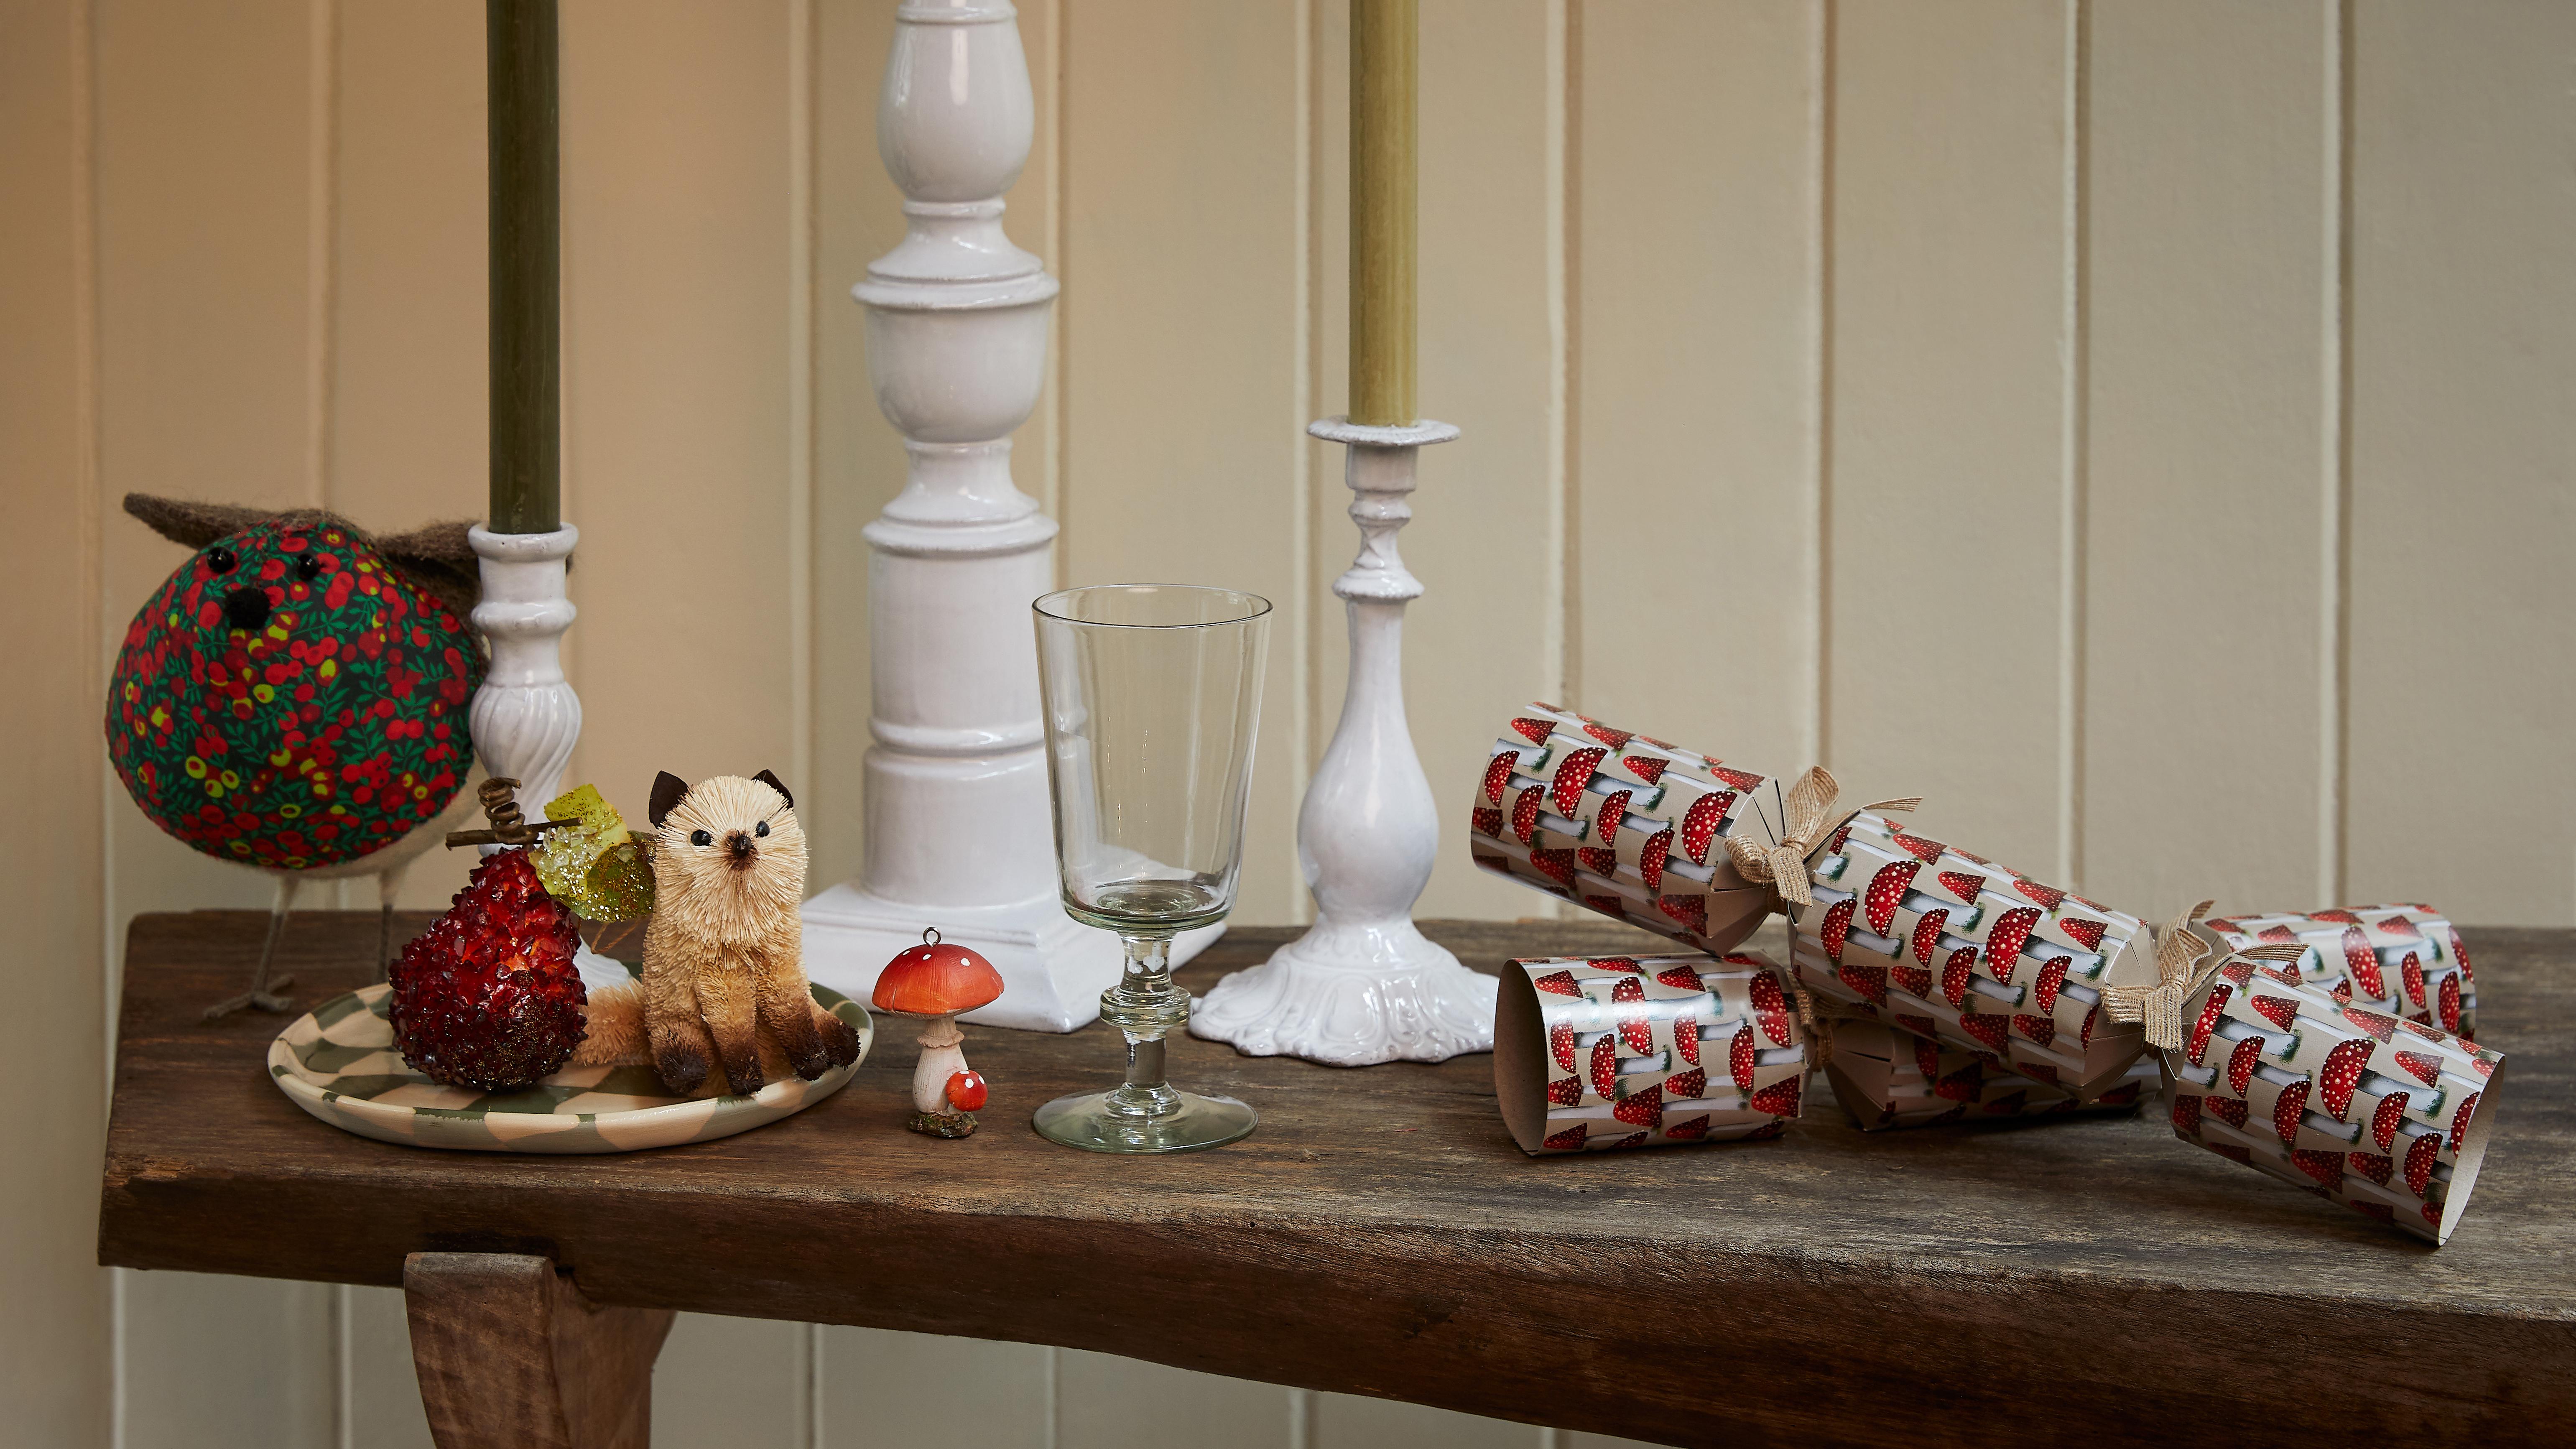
{"points": [[488, 997]]}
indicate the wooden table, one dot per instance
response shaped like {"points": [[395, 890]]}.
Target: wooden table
{"points": [[2092, 1279]]}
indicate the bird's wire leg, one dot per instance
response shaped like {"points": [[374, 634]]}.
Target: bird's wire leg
{"points": [[263, 993], [388, 885]]}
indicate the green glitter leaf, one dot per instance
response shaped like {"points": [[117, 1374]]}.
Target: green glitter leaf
{"points": [[593, 865]]}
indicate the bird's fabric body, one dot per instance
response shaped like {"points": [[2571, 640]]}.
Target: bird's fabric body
{"points": [[290, 697]]}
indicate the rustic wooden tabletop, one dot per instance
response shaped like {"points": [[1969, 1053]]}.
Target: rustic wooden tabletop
{"points": [[2090, 1279]]}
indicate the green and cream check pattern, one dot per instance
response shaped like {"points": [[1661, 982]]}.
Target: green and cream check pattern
{"points": [[339, 1063]]}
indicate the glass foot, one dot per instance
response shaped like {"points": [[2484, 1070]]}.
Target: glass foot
{"points": [[1092, 1122]]}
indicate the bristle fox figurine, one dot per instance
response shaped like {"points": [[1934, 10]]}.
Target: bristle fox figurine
{"points": [[724, 974]]}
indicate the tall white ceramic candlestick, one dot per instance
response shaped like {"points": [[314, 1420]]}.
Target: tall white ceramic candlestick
{"points": [[1364, 985], [958, 830]]}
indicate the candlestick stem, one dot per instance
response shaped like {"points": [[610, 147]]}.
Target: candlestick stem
{"points": [[1383, 47], [520, 60]]}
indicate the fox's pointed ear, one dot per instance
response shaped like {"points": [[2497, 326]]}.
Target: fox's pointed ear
{"points": [[772, 782], [667, 792]]}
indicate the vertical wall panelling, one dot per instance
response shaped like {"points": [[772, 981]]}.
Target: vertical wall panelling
{"points": [[2207, 598], [2334, 474], [1298, 632], [799, 288], [1476, 642], [55, 1341], [1179, 355], [2462, 606], [676, 249], [1348, 1421], [1698, 279], [732, 1381], [1104, 1402], [204, 189], [881, 1388], [2073, 480], [1949, 174]]}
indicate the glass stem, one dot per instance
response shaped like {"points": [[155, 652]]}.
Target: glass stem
{"points": [[1145, 1007]]}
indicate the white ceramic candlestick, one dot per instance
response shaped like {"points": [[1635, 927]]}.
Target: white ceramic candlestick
{"points": [[526, 717], [958, 831], [1364, 985]]}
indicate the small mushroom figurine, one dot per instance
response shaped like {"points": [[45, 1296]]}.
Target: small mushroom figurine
{"points": [[937, 981]]}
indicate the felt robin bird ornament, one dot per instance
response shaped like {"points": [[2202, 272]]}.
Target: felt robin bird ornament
{"points": [[723, 1000], [294, 698]]}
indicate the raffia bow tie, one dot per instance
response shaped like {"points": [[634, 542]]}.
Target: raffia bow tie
{"points": [[2179, 955], [1805, 815]]}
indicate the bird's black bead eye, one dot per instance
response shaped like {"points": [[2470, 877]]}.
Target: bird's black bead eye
{"points": [[308, 566], [220, 561], [762, 829], [700, 837]]}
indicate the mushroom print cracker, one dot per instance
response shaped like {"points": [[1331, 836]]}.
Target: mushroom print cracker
{"points": [[1623, 824], [724, 993], [1598, 1053], [2405, 961], [2273, 1070]]}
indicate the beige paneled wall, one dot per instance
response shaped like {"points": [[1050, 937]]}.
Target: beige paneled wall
{"points": [[2141, 428]]}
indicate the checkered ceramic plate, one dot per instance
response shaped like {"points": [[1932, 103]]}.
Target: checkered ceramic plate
{"points": [[338, 1062]]}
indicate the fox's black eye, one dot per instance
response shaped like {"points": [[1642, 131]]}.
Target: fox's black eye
{"points": [[700, 837], [220, 561], [761, 829], [308, 566]]}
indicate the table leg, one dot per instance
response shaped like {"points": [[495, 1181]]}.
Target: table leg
{"points": [[511, 1356]]}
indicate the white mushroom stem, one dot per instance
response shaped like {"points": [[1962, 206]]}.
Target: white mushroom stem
{"points": [[943, 1056]]}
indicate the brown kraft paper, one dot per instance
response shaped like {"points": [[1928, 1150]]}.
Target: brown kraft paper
{"points": [[1622, 824], [1603, 1052]]}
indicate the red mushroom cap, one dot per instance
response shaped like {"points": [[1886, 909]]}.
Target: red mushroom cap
{"points": [[936, 979]]}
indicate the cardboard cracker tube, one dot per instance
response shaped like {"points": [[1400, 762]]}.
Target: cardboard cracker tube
{"points": [[1565, 1027], [1886, 1077], [2384, 1115], [1951, 945], [1624, 825], [2405, 960]]}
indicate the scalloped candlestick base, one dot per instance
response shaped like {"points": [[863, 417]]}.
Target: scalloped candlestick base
{"points": [[1353, 997]]}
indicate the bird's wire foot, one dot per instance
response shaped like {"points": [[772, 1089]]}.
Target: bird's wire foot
{"points": [[254, 1001]]}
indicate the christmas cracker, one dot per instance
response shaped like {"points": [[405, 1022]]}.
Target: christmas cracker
{"points": [[1886, 1077], [1623, 824], [2273, 1063], [1950, 945], [1605, 1052], [2402, 960]]}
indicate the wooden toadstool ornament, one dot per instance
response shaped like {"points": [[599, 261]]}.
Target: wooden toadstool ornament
{"points": [[937, 981]]}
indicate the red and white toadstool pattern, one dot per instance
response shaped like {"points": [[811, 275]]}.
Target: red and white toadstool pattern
{"points": [[2384, 1115], [2404, 960], [1945, 944], [1657, 1051], [1626, 825], [1888, 1077]]}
